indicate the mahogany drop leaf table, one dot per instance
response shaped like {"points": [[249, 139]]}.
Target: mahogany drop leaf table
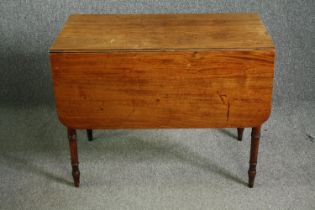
{"points": [[163, 71]]}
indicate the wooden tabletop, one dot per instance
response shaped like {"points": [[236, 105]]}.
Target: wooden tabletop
{"points": [[162, 32]]}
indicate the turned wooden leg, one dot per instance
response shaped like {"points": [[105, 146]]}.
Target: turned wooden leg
{"points": [[74, 156], [255, 136], [89, 134], [240, 133]]}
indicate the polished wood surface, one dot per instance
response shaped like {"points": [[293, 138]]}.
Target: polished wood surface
{"points": [[163, 71], [163, 90], [161, 32]]}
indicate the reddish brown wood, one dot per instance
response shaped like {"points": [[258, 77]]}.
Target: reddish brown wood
{"points": [[255, 136], [89, 134], [240, 133], [163, 71], [72, 136], [186, 89], [160, 32]]}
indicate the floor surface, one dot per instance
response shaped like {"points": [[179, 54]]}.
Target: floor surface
{"points": [[156, 169]]}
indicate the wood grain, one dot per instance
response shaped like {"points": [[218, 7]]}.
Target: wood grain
{"points": [[162, 32], [163, 71], [186, 89]]}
